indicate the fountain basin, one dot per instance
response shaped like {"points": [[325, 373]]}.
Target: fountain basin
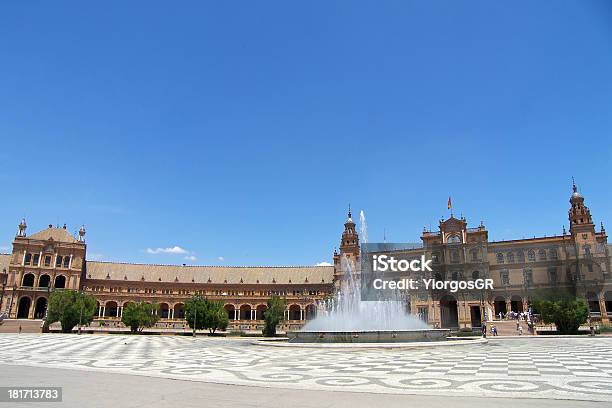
{"points": [[369, 336]]}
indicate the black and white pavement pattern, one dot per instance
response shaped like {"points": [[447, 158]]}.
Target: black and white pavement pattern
{"points": [[578, 368]]}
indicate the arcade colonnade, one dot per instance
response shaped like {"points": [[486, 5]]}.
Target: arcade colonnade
{"points": [[34, 289], [237, 312]]}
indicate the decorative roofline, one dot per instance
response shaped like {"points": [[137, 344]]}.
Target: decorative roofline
{"points": [[212, 266]]}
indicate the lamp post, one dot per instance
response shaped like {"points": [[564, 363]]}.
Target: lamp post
{"points": [[4, 276], [47, 305], [12, 297], [482, 311]]}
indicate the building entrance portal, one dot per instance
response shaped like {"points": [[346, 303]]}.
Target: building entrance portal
{"points": [[24, 308], [475, 316], [448, 312]]}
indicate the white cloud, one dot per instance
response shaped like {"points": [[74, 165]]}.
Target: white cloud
{"points": [[191, 258], [221, 258], [170, 250], [5, 248], [323, 264]]}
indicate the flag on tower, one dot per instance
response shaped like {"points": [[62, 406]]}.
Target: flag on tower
{"points": [[450, 204]]}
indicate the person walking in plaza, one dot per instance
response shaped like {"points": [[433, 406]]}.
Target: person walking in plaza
{"points": [[19, 329]]}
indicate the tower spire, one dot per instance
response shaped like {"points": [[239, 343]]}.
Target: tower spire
{"points": [[579, 214], [350, 239]]}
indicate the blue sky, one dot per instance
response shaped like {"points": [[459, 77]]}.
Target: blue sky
{"points": [[240, 131]]}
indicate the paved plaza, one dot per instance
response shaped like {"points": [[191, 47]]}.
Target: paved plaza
{"points": [[545, 368]]}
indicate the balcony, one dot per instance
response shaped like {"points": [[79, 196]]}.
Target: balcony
{"points": [[35, 289]]}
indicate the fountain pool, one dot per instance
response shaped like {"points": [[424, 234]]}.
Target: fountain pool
{"points": [[346, 318]]}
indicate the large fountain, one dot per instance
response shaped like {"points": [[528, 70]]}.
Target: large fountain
{"points": [[347, 318]]}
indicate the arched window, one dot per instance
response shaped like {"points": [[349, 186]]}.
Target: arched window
{"points": [[58, 261], [587, 250], [500, 258], [504, 277], [28, 259], [295, 312], [28, 280], [553, 253], [552, 274], [455, 256], [44, 281], [66, 261], [60, 282], [528, 276], [542, 255], [475, 275], [531, 255], [510, 257], [474, 254]]}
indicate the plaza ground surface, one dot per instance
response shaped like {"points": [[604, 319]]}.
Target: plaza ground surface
{"points": [[116, 370]]}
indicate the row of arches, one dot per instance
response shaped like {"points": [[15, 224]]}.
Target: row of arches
{"points": [[531, 256], [502, 305], [517, 304], [243, 312], [595, 303], [43, 281], [25, 304], [112, 309]]}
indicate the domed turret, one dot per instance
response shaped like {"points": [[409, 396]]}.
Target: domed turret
{"points": [[579, 214], [349, 218], [576, 196]]}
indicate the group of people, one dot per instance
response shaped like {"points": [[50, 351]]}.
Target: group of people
{"points": [[515, 315], [518, 316]]}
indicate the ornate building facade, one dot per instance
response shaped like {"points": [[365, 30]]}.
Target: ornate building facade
{"points": [[577, 262], [53, 259]]}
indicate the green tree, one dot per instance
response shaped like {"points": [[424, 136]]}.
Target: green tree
{"points": [[68, 307], [215, 317], [566, 313], [202, 313], [137, 316], [275, 313], [195, 312]]}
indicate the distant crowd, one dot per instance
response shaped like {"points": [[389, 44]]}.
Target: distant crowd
{"points": [[511, 315]]}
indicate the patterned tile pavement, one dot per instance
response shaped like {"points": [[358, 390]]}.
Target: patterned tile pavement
{"points": [[554, 368]]}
